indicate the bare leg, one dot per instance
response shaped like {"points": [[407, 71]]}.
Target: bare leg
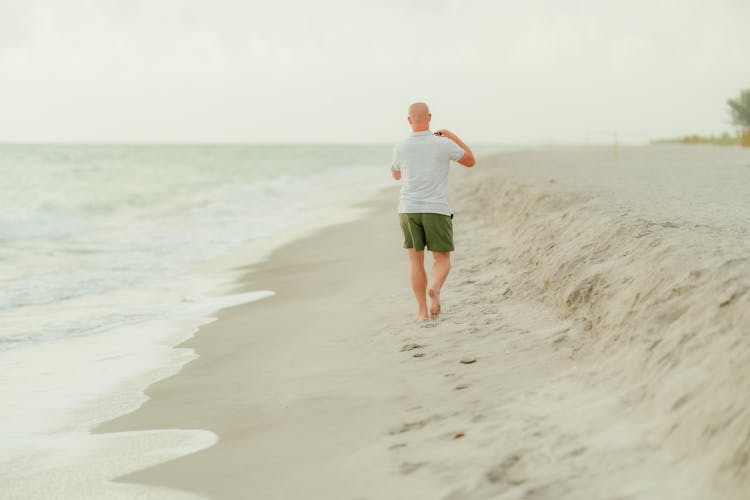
{"points": [[440, 270], [418, 281]]}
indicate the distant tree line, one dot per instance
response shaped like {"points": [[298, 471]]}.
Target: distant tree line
{"points": [[739, 108], [725, 139]]}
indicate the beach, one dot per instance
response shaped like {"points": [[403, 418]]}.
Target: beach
{"points": [[593, 344], [204, 286]]}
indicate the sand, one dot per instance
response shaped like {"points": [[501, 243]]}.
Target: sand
{"points": [[594, 342]]}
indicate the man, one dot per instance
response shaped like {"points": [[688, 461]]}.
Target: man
{"points": [[421, 162]]}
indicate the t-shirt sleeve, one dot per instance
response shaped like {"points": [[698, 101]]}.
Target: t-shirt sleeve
{"points": [[394, 163], [455, 152]]}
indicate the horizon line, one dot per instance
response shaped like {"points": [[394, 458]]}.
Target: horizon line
{"points": [[238, 143]]}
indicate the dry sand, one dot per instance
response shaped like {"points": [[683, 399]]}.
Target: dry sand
{"points": [[594, 344]]}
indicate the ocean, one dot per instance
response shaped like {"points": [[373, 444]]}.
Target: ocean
{"points": [[110, 256]]}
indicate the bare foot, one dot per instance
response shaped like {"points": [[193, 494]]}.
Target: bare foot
{"points": [[420, 317], [434, 303]]}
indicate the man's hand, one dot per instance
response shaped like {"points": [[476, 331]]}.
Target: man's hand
{"points": [[446, 133], [396, 174], [467, 160]]}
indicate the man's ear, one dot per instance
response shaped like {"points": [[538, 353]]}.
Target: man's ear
{"points": [[409, 118]]}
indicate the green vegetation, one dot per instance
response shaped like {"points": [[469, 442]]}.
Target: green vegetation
{"points": [[740, 110], [724, 139]]}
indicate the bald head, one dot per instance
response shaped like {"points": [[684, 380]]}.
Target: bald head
{"points": [[419, 110], [419, 116]]}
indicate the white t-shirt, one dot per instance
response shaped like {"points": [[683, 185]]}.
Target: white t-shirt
{"points": [[424, 159]]}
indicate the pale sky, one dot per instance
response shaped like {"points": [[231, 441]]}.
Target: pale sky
{"points": [[346, 71]]}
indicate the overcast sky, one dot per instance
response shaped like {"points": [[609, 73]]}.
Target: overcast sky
{"points": [[345, 71]]}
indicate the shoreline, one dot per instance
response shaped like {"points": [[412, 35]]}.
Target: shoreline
{"points": [[75, 399], [563, 366], [171, 400]]}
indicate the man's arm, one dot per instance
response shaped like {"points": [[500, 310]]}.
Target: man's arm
{"points": [[467, 160], [395, 167]]}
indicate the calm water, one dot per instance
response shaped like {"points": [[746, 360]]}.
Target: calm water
{"points": [[96, 221]]}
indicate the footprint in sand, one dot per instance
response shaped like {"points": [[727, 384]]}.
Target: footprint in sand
{"points": [[511, 471], [409, 467], [410, 426], [575, 452], [411, 347], [418, 424]]}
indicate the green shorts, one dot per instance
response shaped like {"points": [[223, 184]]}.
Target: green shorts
{"points": [[433, 230]]}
